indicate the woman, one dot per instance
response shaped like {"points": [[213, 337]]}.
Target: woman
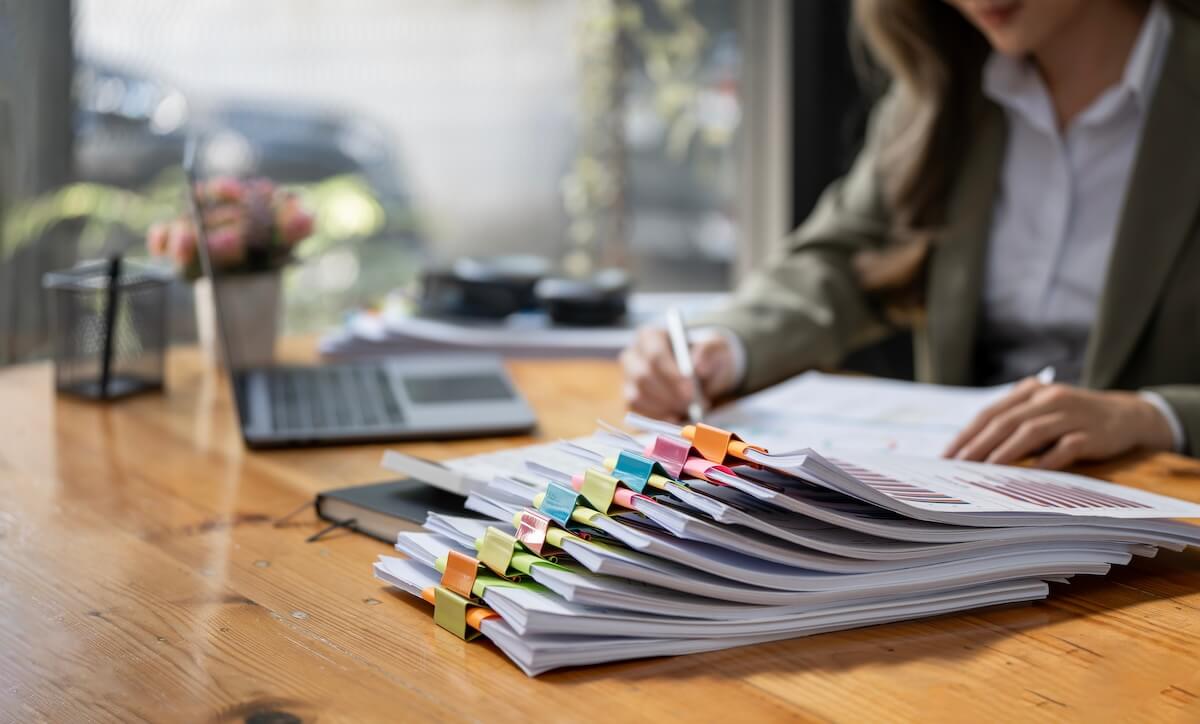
{"points": [[1028, 196]]}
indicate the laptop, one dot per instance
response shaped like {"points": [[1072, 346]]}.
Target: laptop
{"points": [[403, 398]]}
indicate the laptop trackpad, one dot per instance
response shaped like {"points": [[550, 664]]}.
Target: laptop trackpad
{"points": [[435, 389]]}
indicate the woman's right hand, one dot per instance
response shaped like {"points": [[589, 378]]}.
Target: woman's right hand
{"points": [[654, 385]]}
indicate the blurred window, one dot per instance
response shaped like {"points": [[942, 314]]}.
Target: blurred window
{"points": [[593, 132]]}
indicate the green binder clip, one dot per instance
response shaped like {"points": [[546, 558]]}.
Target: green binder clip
{"points": [[496, 550], [599, 489], [450, 612]]}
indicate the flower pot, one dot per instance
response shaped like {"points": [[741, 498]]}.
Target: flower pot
{"points": [[250, 312]]}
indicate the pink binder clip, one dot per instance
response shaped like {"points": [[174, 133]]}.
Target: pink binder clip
{"points": [[532, 530], [670, 452]]}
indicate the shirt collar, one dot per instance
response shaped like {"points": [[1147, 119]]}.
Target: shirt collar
{"points": [[1016, 84], [1145, 62]]}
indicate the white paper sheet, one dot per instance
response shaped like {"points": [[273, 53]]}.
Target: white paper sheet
{"points": [[833, 413]]}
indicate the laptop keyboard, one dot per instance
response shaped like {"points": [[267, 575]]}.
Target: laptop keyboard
{"points": [[320, 398]]}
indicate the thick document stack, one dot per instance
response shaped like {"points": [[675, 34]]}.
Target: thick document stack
{"points": [[689, 539]]}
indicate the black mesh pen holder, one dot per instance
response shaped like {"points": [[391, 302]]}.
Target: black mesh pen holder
{"points": [[108, 328]]}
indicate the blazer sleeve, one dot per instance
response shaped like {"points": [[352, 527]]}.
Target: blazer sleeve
{"points": [[1185, 403], [805, 308]]}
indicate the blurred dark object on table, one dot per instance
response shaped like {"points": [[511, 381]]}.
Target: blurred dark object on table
{"points": [[108, 328], [599, 301], [482, 287], [498, 286]]}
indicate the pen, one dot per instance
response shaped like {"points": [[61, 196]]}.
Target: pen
{"points": [[683, 358], [1046, 375]]}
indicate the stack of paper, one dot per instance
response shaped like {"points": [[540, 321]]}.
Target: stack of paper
{"points": [[395, 329], [689, 540]]}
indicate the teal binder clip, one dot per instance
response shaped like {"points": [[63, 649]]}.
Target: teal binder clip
{"points": [[635, 470], [558, 503]]}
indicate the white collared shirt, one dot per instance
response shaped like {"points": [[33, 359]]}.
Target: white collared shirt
{"points": [[1056, 216], [1057, 211], [1060, 201]]}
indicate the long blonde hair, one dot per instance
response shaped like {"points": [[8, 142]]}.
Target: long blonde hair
{"points": [[933, 57]]}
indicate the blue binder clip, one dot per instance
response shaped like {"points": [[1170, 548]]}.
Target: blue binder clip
{"points": [[558, 503], [635, 470]]}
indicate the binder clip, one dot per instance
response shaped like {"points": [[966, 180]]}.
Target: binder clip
{"points": [[671, 453], [558, 503], [545, 540], [531, 530], [457, 614], [460, 572], [637, 472], [719, 445], [496, 550], [599, 489]]}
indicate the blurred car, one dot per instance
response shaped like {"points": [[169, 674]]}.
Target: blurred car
{"points": [[130, 127]]}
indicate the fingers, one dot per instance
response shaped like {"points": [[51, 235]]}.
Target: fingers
{"points": [[1031, 436], [713, 362], [643, 393], [1019, 395], [667, 375], [1069, 449], [653, 384], [1044, 400]]}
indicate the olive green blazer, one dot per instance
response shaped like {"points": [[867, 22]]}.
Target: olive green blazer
{"points": [[805, 309]]}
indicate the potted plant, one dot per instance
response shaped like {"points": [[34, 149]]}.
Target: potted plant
{"points": [[252, 227]]}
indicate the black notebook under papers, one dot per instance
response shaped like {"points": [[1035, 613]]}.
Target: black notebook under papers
{"points": [[382, 510]]}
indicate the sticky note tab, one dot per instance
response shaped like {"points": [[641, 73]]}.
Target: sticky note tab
{"points": [[459, 574], [598, 489], [670, 452], [496, 552], [531, 530], [702, 469], [450, 612], [486, 581], [556, 537], [585, 516], [558, 503]]}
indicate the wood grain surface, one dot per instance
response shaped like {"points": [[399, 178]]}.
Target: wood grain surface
{"points": [[144, 577]]}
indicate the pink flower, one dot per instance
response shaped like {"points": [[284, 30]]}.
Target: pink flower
{"points": [[222, 189], [156, 239], [227, 246], [292, 222], [181, 243], [250, 226]]}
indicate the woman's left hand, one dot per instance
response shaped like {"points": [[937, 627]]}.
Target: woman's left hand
{"points": [[1063, 425]]}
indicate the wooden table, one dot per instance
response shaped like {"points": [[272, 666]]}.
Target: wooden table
{"points": [[143, 578]]}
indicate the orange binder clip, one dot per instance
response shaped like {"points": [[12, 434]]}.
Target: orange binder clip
{"points": [[717, 445], [460, 573]]}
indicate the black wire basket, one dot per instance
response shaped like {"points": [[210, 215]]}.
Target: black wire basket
{"points": [[108, 328]]}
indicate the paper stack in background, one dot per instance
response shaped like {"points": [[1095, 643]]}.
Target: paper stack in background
{"points": [[688, 540], [395, 328]]}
